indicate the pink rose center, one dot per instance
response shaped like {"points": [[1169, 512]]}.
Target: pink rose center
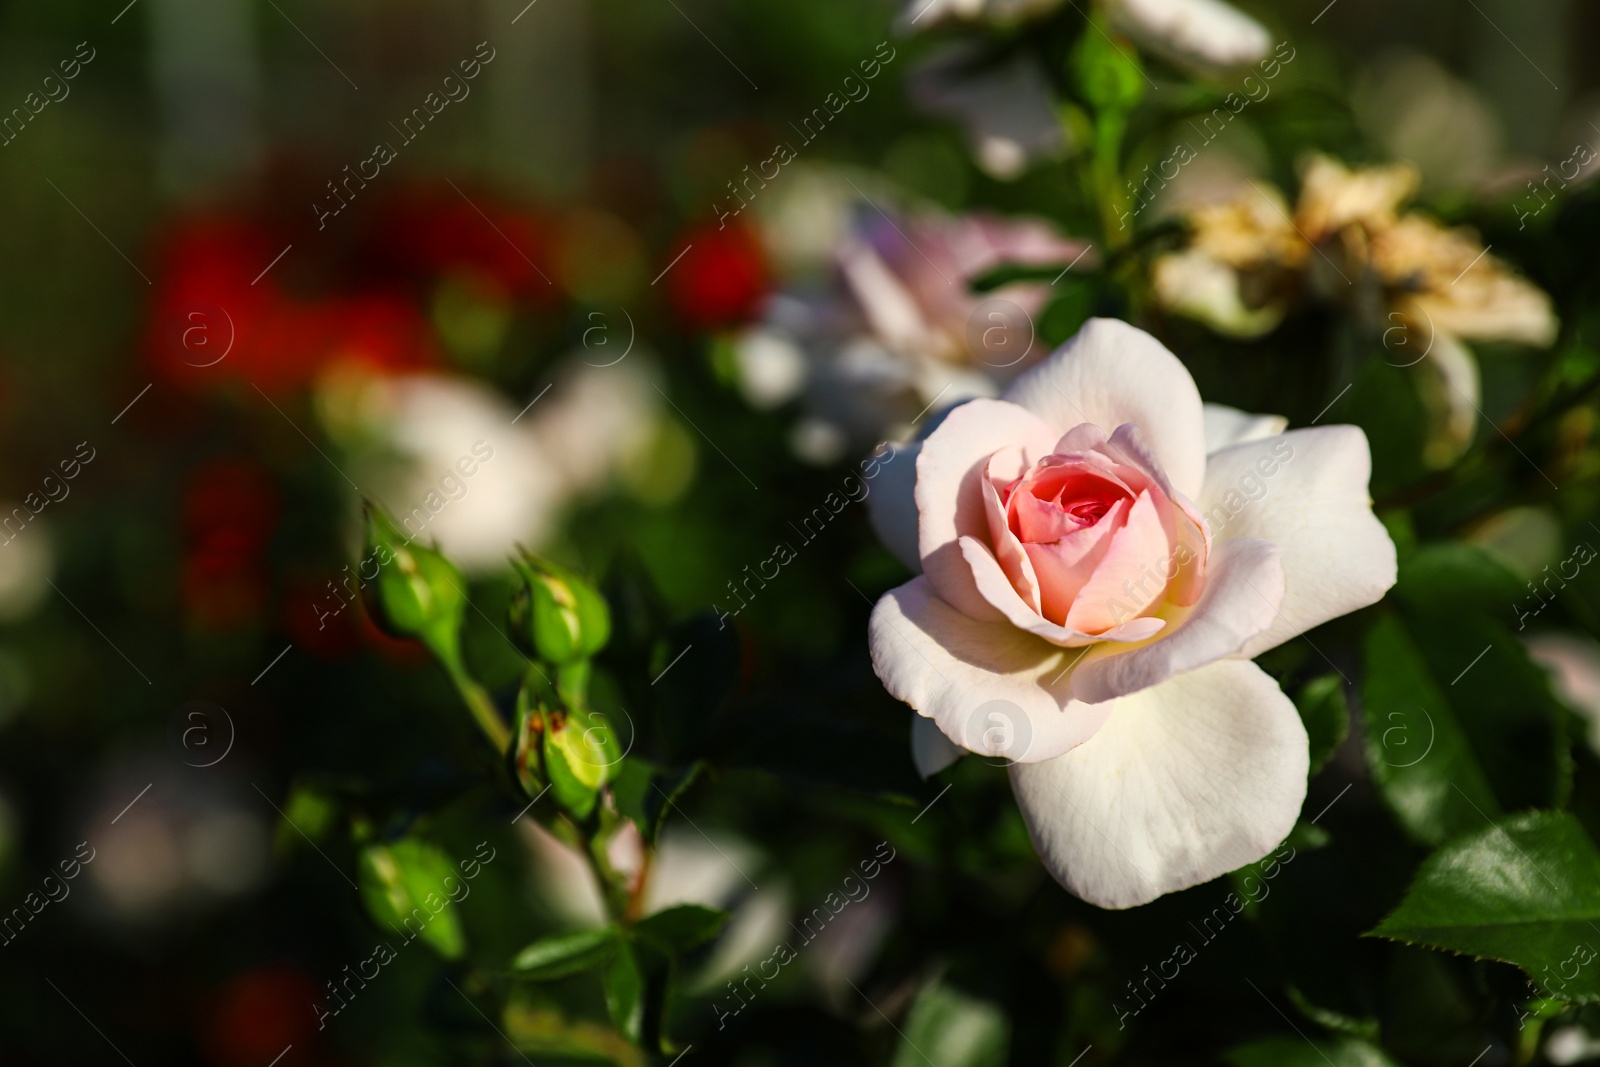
{"points": [[1092, 537]]}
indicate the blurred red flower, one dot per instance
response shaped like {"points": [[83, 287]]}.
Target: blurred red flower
{"points": [[442, 233], [258, 1014], [219, 316], [230, 510], [721, 278]]}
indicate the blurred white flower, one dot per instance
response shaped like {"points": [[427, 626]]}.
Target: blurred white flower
{"points": [[804, 219], [184, 842], [27, 562], [1207, 35], [1571, 1044], [1005, 108], [771, 366], [687, 869], [459, 465], [922, 14]]}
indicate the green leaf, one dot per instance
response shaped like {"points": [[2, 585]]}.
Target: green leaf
{"points": [[681, 928], [1419, 756], [1523, 891], [1299, 1052], [954, 1029], [1452, 576], [1326, 716], [1503, 701], [403, 887], [624, 987], [1364, 1028], [564, 954]]}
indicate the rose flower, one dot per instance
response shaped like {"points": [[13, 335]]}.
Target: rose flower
{"points": [[1101, 556]]}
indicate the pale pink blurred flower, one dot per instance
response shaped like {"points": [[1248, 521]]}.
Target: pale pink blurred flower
{"points": [[1574, 664], [895, 329]]}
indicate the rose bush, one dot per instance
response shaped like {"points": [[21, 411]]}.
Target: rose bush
{"points": [[1101, 556]]}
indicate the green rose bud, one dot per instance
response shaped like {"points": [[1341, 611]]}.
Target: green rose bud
{"points": [[527, 758], [418, 593], [581, 754], [556, 615]]}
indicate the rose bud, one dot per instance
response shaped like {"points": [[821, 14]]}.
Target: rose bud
{"points": [[418, 593], [556, 615]]}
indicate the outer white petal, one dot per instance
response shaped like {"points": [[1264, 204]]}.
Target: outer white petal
{"points": [[892, 504], [949, 490], [1244, 588], [1229, 426], [1186, 781], [931, 750], [1111, 373], [989, 686], [1306, 492]]}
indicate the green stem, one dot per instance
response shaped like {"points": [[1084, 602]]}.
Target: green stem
{"points": [[481, 706], [1109, 127]]}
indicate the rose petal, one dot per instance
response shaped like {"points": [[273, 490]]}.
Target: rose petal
{"points": [[931, 750], [1229, 426], [892, 504], [1337, 557], [990, 687], [1128, 445], [995, 586], [1064, 567], [1084, 437], [1186, 781], [949, 490], [1241, 600], [1008, 550], [1112, 373], [1130, 577], [891, 310]]}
